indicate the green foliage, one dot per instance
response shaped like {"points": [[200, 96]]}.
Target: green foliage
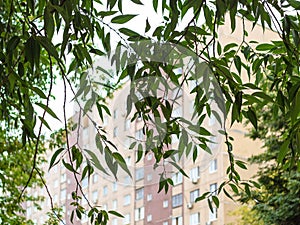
{"points": [[277, 201], [44, 40], [15, 169], [246, 216]]}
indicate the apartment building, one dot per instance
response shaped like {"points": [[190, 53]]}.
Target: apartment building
{"points": [[136, 198]]}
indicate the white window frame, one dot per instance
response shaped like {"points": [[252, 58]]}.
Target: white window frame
{"points": [[213, 166], [177, 178], [195, 218], [139, 214], [127, 200]]}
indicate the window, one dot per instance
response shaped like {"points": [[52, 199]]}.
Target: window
{"points": [[195, 173], [165, 203], [63, 208], [105, 207], [139, 134], [191, 106], [115, 186], [105, 190], [139, 194], [149, 218], [176, 200], [127, 199], [195, 219], [213, 166], [85, 134], [177, 220], [115, 204], [149, 197], [174, 138], [128, 161], [127, 142], [165, 223], [127, 180], [105, 121], [28, 211], [84, 199], [194, 194], [177, 112], [85, 182], [115, 114], [63, 177], [149, 156], [127, 124], [95, 196], [177, 178], [213, 215], [115, 132], [126, 219], [213, 188], [212, 120], [95, 178], [212, 144], [139, 213], [56, 183], [114, 221], [55, 199], [149, 177], [63, 194], [85, 218], [139, 174], [177, 92]]}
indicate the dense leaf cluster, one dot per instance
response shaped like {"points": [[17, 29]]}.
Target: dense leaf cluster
{"points": [[46, 39]]}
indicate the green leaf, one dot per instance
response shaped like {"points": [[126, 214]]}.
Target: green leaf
{"points": [[49, 22], [32, 51], [216, 200], [234, 188], [179, 169], [263, 96], [39, 92], [229, 46], [69, 167], [203, 196], [147, 28], [99, 143], [44, 122], [155, 5], [238, 63], [128, 32], [241, 164], [107, 13], [119, 158], [115, 213], [137, 2], [252, 117], [283, 151], [122, 18], [12, 43], [95, 161], [48, 110], [139, 152], [264, 47], [52, 161], [47, 44], [97, 52]]}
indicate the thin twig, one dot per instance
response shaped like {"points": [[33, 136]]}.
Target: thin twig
{"points": [[40, 129]]}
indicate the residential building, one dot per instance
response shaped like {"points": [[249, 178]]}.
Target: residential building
{"points": [[136, 198]]}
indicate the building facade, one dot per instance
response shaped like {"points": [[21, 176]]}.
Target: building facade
{"points": [[136, 198]]}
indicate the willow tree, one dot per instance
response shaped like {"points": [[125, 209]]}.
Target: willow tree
{"points": [[42, 41]]}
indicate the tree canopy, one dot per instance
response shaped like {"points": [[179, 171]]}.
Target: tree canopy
{"points": [[42, 41]]}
